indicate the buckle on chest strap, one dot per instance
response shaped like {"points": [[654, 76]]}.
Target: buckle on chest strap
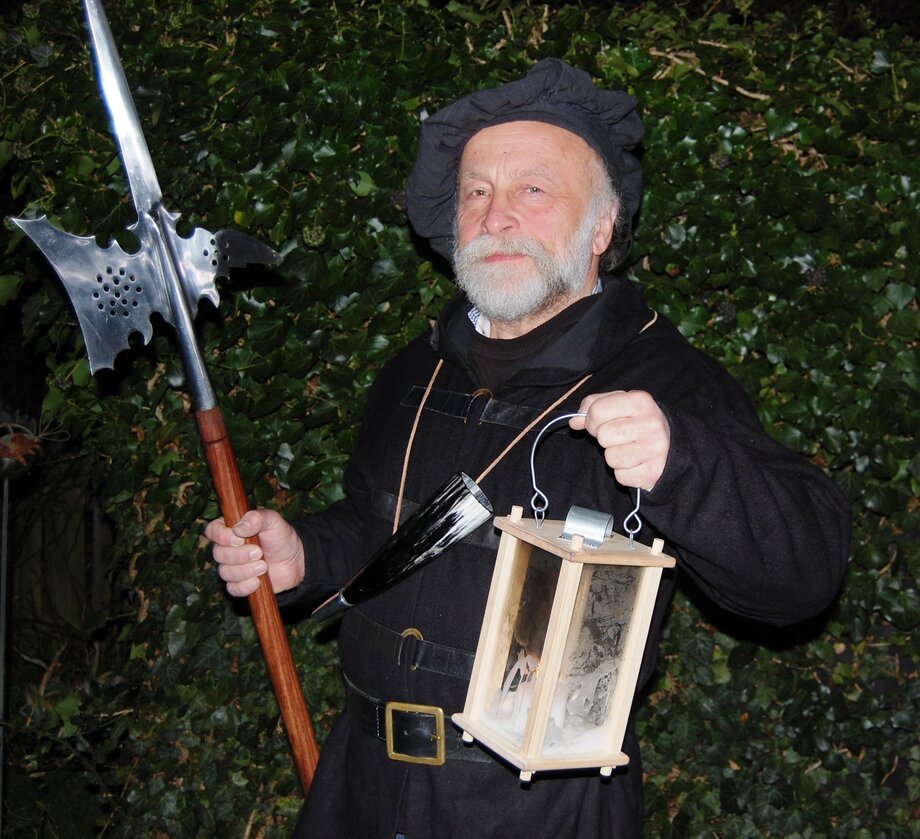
{"points": [[415, 733]]}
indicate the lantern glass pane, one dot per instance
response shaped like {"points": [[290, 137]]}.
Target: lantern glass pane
{"points": [[508, 711], [591, 663]]}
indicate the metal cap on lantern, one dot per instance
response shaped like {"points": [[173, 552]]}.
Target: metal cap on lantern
{"points": [[562, 640]]}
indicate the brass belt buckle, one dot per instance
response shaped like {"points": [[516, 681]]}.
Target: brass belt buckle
{"points": [[440, 743]]}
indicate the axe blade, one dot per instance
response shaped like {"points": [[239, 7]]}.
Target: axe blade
{"points": [[112, 292]]}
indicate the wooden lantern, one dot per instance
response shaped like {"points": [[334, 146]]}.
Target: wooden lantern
{"points": [[561, 643]]}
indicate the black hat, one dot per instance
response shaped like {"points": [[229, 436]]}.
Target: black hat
{"points": [[552, 92]]}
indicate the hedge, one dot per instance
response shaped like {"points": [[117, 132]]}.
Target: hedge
{"points": [[778, 230]]}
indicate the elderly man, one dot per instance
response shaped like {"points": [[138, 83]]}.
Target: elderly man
{"points": [[531, 189]]}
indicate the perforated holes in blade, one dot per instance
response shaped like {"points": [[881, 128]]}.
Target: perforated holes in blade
{"points": [[216, 255], [117, 292]]}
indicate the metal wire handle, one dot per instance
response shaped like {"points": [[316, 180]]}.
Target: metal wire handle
{"points": [[539, 502], [636, 526], [632, 524]]}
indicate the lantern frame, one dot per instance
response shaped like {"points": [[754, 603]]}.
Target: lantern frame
{"points": [[478, 720]]}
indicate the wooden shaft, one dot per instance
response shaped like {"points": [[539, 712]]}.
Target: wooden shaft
{"points": [[225, 473]]}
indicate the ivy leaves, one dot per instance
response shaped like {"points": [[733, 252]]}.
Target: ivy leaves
{"points": [[778, 230]]}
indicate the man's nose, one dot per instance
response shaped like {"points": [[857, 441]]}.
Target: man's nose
{"points": [[499, 218]]}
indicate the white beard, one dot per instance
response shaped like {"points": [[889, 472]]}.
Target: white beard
{"points": [[511, 291]]}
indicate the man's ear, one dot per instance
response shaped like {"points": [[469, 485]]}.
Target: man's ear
{"points": [[603, 233]]}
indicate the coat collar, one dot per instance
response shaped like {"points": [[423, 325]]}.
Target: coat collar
{"points": [[612, 320]]}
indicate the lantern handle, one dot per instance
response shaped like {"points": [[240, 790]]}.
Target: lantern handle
{"points": [[539, 502], [632, 524]]}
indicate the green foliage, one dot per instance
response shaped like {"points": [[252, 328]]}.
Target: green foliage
{"points": [[778, 231]]}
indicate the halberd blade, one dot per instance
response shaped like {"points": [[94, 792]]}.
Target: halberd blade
{"points": [[113, 293], [238, 249], [142, 177], [203, 256]]}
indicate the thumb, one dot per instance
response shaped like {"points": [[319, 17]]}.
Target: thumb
{"points": [[249, 525], [578, 423]]}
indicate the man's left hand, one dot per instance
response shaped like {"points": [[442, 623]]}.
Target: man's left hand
{"points": [[633, 432]]}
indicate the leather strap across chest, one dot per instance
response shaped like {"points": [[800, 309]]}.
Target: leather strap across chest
{"points": [[526, 430]]}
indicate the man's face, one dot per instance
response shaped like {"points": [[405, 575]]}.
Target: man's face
{"points": [[531, 225]]}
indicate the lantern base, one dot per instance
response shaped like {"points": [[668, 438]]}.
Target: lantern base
{"points": [[604, 762]]}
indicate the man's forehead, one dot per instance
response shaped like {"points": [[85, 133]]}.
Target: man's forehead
{"points": [[526, 169], [528, 130], [525, 147]]}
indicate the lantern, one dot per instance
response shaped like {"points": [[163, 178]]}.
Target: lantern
{"points": [[561, 643]]}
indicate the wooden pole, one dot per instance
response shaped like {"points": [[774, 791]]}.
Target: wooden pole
{"points": [[225, 473]]}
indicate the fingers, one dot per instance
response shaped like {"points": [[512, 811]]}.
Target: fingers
{"points": [[633, 432], [241, 560], [578, 423], [239, 564], [244, 588], [251, 524], [603, 408]]}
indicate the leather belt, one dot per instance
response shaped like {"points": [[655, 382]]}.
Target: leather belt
{"points": [[408, 647], [413, 733]]}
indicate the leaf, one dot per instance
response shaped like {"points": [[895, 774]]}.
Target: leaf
{"points": [[880, 61], [9, 287], [361, 184], [779, 125], [80, 373], [66, 709], [904, 324], [466, 13], [901, 294]]}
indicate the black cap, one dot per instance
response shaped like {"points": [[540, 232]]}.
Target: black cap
{"points": [[552, 92]]}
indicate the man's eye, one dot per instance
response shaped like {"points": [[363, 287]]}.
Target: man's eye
{"points": [[532, 190]]}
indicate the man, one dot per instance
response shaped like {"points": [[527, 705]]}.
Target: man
{"points": [[530, 187]]}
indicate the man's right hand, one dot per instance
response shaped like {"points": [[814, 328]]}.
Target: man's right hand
{"points": [[240, 564]]}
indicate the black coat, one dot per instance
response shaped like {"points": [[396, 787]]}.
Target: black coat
{"points": [[761, 531]]}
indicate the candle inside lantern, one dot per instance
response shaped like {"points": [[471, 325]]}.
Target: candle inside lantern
{"points": [[511, 704]]}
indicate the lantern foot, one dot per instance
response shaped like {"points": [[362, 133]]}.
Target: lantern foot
{"points": [[467, 737], [606, 771], [526, 776]]}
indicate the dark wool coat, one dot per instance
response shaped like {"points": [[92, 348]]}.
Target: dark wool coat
{"points": [[760, 530]]}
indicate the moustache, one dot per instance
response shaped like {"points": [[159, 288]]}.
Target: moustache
{"points": [[486, 245]]}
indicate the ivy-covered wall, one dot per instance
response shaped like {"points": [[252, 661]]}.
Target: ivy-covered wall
{"points": [[779, 231]]}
